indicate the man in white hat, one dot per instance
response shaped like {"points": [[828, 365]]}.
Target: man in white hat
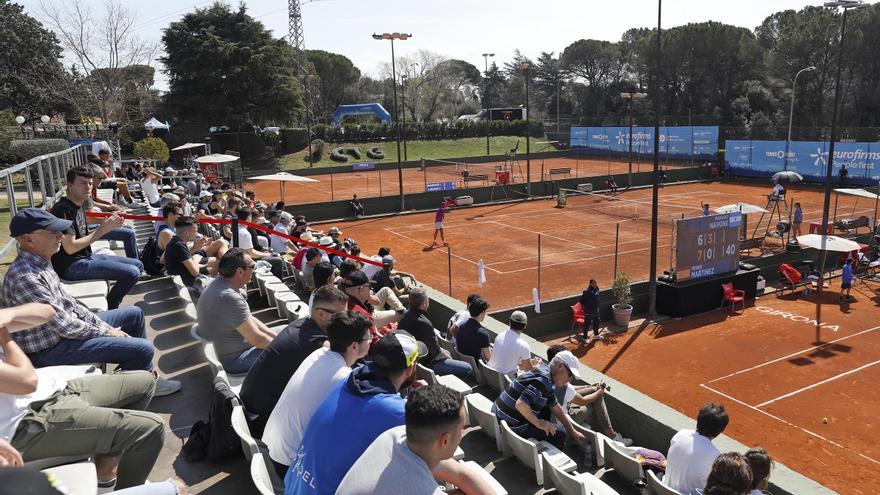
{"points": [[511, 352], [530, 401]]}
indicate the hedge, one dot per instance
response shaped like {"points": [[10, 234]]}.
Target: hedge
{"points": [[25, 149], [153, 148], [355, 133], [293, 140]]}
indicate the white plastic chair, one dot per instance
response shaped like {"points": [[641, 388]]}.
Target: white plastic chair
{"points": [[480, 412], [656, 487], [625, 466], [240, 425]]}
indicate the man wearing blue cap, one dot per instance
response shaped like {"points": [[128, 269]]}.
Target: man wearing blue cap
{"points": [[74, 335]]}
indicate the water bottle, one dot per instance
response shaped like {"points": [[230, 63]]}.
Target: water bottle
{"points": [[588, 454]]}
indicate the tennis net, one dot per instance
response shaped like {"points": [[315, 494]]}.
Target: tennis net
{"points": [[620, 208], [458, 169]]}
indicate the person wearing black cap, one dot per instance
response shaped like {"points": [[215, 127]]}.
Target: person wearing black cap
{"points": [[74, 335], [355, 412], [357, 286]]}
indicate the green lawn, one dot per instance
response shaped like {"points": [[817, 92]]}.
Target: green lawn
{"points": [[449, 148]]}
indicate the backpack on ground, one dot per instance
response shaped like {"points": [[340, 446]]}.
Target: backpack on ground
{"points": [[215, 440], [150, 257]]}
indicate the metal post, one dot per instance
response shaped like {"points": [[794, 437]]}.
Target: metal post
{"points": [[29, 184], [403, 104], [528, 138], [380, 182], [652, 274], [10, 196], [449, 261], [557, 105], [539, 266], [234, 229], [425, 174], [397, 125], [44, 187], [331, 183], [629, 175], [616, 244], [791, 113]]}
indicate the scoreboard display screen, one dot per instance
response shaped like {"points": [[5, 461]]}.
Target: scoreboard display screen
{"points": [[707, 246]]}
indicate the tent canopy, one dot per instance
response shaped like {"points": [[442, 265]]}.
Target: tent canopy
{"points": [[856, 192], [188, 146], [216, 158], [284, 177], [153, 124], [740, 207], [828, 243]]}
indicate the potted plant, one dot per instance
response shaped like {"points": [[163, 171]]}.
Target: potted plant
{"points": [[622, 291]]}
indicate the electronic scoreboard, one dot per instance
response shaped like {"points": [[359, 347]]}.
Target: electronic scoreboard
{"points": [[707, 246]]}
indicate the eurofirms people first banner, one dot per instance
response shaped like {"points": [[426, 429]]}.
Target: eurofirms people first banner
{"points": [[686, 142], [808, 158]]}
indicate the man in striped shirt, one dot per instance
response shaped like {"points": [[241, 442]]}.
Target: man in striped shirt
{"points": [[529, 401]]}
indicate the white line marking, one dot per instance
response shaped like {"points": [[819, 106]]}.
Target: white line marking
{"points": [[777, 418], [453, 254], [860, 368], [542, 233], [811, 348], [568, 262]]}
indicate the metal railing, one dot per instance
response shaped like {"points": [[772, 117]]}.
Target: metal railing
{"points": [[43, 176]]}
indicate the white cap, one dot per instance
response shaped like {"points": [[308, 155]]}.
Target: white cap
{"points": [[570, 362], [205, 194]]}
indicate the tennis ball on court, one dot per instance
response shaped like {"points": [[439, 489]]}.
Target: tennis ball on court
{"points": [[825, 420]]}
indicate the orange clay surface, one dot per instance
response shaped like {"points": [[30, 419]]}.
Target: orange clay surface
{"points": [[374, 183], [812, 404], [577, 242]]}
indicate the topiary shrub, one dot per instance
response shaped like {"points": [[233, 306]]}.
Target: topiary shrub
{"points": [[354, 152], [152, 147], [317, 151], [337, 155], [375, 153], [293, 140], [25, 149]]}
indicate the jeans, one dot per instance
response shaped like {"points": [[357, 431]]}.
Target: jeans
{"points": [[128, 239], [451, 367], [591, 318], [124, 271], [134, 353], [240, 364]]}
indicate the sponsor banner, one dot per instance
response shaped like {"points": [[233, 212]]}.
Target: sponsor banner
{"points": [[808, 158], [440, 186], [675, 142], [362, 166]]}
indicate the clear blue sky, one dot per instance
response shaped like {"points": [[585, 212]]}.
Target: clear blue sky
{"points": [[461, 29]]}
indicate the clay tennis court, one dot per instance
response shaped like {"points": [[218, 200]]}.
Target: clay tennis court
{"points": [[577, 242], [811, 404], [365, 184]]}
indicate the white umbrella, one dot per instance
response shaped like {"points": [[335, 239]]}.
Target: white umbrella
{"points": [[216, 158], [283, 178], [828, 243], [188, 146], [740, 207]]}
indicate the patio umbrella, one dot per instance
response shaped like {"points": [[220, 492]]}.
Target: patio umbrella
{"points": [[740, 207], [787, 176], [828, 243], [283, 178]]}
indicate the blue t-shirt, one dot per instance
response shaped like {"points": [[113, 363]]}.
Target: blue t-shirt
{"points": [[357, 411], [798, 215], [846, 276]]}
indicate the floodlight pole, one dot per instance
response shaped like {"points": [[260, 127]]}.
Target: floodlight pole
{"points": [[525, 67], [391, 37], [846, 5], [403, 104], [655, 191], [631, 98], [486, 57], [791, 111]]}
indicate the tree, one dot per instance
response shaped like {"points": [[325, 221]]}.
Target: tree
{"points": [[596, 63], [550, 80], [224, 67], [337, 78], [30, 67], [104, 47], [153, 148]]}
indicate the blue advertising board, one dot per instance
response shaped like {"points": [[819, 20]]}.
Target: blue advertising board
{"points": [[808, 158], [440, 186], [362, 166], [685, 142]]}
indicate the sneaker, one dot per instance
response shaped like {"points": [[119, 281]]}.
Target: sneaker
{"points": [[165, 387], [621, 439], [599, 337]]}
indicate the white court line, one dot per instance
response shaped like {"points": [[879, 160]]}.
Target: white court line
{"points": [[811, 348], [585, 259], [453, 255], [860, 368], [558, 253], [551, 236], [789, 423]]}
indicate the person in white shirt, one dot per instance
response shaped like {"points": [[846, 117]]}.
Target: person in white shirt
{"points": [[371, 270], [460, 318], [691, 453], [349, 337], [280, 222], [511, 352]]}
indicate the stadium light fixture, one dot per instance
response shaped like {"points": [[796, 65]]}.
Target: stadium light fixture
{"points": [[19, 120], [45, 119], [791, 111], [391, 37]]}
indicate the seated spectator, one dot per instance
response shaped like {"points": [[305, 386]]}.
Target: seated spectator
{"points": [[282, 357], [730, 474], [311, 258], [324, 274], [165, 228], [75, 261], [225, 318], [761, 464], [246, 242], [691, 453], [203, 207], [459, 318], [356, 411], [411, 459], [529, 402], [150, 186], [357, 287], [280, 221], [74, 335], [472, 339], [188, 263], [319, 373], [120, 183], [511, 352], [372, 270], [590, 401], [391, 279], [417, 323], [231, 210], [217, 206], [356, 206], [65, 411]]}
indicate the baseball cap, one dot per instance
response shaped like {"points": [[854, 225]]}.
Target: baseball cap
{"points": [[388, 260], [519, 317], [28, 220], [570, 362], [397, 351], [356, 279], [334, 231], [205, 194]]}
